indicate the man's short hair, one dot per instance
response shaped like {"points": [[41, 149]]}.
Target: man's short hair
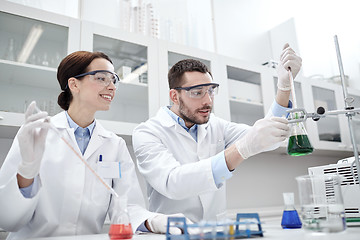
{"points": [[187, 65]]}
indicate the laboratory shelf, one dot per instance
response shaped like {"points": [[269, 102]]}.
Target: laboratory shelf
{"points": [[243, 111], [10, 123], [241, 102], [28, 74]]}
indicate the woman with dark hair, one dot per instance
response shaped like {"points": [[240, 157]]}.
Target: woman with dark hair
{"points": [[45, 190]]}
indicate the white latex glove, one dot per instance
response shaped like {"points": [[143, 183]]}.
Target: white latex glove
{"points": [[158, 223], [288, 60], [261, 137], [31, 137]]}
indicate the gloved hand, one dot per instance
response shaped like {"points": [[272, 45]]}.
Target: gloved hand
{"points": [[159, 223], [288, 59], [261, 137], [31, 137]]}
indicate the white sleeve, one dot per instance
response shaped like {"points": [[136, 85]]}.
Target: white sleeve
{"points": [[16, 210]]}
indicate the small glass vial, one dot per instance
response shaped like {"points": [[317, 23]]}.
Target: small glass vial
{"points": [[290, 218], [120, 227]]}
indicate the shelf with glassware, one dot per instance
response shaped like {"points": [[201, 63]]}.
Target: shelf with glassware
{"points": [[34, 42], [134, 59]]}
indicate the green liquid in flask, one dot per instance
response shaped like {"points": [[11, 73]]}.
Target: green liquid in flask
{"points": [[299, 145]]}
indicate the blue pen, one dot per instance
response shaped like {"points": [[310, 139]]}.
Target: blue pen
{"points": [[100, 158]]}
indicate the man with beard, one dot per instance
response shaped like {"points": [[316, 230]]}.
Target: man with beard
{"points": [[186, 153]]}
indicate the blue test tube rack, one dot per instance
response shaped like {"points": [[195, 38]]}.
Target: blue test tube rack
{"points": [[238, 231]]}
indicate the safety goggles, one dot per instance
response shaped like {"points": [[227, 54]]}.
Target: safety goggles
{"points": [[103, 77], [199, 91]]}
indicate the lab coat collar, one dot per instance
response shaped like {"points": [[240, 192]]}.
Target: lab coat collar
{"points": [[167, 121], [99, 135]]}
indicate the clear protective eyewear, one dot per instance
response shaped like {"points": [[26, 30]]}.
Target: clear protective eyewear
{"points": [[104, 77], [199, 91]]}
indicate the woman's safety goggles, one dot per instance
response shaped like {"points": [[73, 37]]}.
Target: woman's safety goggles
{"points": [[199, 91], [103, 77]]}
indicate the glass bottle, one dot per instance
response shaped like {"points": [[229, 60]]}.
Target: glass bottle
{"points": [[299, 143], [290, 218], [120, 226]]}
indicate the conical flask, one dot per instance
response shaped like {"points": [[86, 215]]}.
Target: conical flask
{"points": [[290, 218], [299, 143], [120, 227]]}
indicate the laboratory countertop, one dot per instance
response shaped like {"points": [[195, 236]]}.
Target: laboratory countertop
{"points": [[271, 228]]}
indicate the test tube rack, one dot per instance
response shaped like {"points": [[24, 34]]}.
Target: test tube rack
{"points": [[241, 228]]}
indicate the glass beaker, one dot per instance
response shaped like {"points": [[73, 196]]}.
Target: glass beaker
{"points": [[299, 143], [322, 204], [120, 227], [290, 218]]}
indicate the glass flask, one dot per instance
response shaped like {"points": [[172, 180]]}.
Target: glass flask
{"points": [[290, 218], [299, 143], [120, 226]]}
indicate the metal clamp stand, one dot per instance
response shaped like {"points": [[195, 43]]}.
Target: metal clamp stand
{"points": [[349, 111]]}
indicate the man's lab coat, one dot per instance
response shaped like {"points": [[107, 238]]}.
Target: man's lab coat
{"points": [[178, 169]]}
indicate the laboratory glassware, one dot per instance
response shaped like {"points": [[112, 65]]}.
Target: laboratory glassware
{"points": [[322, 205], [120, 226], [290, 218], [299, 143]]}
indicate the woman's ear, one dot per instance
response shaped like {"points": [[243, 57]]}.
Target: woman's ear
{"points": [[174, 94], [73, 84]]}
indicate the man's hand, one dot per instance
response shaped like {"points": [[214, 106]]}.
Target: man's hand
{"points": [[262, 136], [288, 61]]}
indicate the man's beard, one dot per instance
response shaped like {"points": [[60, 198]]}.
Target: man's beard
{"points": [[189, 117]]}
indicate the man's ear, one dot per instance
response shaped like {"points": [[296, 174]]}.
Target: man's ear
{"points": [[174, 96]]}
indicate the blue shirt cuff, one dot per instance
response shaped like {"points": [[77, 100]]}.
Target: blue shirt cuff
{"points": [[26, 191], [219, 169], [142, 228], [280, 111]]}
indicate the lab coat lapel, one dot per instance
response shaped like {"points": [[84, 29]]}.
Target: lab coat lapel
{"points": [[167, 121], [61, 123], [202, 132], [98, 137]]}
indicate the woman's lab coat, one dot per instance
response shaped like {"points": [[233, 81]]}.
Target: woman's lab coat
{"points": [[69, 200], [178, 169]]}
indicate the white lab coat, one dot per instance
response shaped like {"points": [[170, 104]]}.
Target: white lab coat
{"points": [[70, 200], [178, 170]]}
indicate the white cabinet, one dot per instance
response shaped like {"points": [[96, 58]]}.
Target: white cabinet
{"points": [[246, 90], [135, 61], [245, 95], [169, 54], [329, 133], [33, 43], [355, 94]]}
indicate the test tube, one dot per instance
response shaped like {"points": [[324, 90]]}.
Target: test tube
{"points": [[111, 190]]}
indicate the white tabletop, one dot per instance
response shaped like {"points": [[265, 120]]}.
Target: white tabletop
{"points": [[271, 231]]}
